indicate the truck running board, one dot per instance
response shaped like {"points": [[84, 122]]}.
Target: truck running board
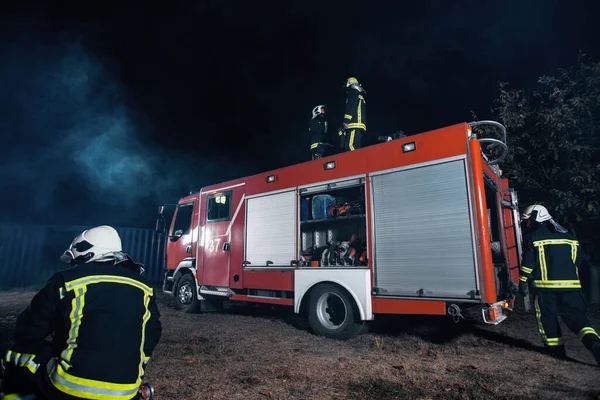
{"points": [[218, 291]]}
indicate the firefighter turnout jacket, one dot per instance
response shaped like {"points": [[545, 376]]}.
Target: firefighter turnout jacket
{"points": [[105, 324], [552, 260], [356, 110], [355, 120]]}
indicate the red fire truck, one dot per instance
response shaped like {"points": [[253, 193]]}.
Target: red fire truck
{"points": [[424, 224]]}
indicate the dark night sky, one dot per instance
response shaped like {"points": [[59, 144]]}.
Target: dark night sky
{"points": [[107, 111]]}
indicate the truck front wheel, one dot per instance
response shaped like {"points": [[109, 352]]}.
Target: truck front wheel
{"points": [[185, 294], [332, 313]]}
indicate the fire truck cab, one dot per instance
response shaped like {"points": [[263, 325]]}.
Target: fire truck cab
{"points": [[424, 224]]}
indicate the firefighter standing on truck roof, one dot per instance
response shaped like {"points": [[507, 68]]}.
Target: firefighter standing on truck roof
{"points": [[355, 116], [104, 321], [551, 259], [319, 143]]}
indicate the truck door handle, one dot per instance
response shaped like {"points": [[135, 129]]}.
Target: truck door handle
{"points": [[226, 246], [188, 250]]}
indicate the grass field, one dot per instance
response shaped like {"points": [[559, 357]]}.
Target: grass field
{"points": [[269, 353]]}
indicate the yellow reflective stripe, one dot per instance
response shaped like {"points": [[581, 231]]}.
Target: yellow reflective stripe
{"points": [[17, 396], [557, 284], [526, 270], [359, 111], [89, 388], [75, 316], [357, 125], [144, 321], [538, 317], [523, 278], [554, 342], [22, 360], [88, 280], [542, 260], [572, 243], [62, 292], [587, 331], [314, 145], [347, 116], [351, 143], [542, 254], [545, 242]]}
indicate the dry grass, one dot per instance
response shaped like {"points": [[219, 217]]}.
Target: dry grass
{"points": [[266, 353]]}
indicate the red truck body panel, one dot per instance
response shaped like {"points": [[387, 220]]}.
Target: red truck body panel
{"points": [[438, 144]]}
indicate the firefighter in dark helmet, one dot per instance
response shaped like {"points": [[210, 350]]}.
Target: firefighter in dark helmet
{"points": [[104, 324], [319, 141], [551, 260], [355, 116]]}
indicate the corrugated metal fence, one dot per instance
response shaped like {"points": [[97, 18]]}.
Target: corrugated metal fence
{"points": [[29, 254]]}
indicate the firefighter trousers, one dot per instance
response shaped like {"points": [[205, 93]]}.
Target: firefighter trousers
{"points": [[320, 150], [353, 139], [571, 307], [26, 374]]}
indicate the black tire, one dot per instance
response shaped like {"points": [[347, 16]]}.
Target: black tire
{"points": [[333, 313], [185, 294]]}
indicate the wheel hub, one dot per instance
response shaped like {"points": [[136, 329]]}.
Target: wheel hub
{"points": [[331, 310], [185, 294]]}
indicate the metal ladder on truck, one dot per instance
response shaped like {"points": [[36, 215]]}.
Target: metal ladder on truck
{"points": [[514, 206]]}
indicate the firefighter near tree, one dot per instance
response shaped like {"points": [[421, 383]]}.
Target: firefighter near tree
{"points": [[424, 224], [552, 259]]}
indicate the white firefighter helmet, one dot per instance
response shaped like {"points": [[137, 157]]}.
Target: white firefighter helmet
{"points": [[318, 110], [541, 216], [96, 244]]}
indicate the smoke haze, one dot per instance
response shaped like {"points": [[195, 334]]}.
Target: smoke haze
{"points": [[72, 146]]}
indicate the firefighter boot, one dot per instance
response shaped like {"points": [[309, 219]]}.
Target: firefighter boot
{"points": [[557, 352], [592, 343], [595, 348]]}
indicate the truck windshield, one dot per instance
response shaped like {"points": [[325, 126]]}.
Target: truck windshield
{"points": [[183, 219]]}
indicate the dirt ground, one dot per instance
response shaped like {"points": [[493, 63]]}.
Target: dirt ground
{"points": [[269, 353]]}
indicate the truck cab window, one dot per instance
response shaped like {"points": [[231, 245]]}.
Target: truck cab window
{"points": [[219, 207], [183, 219]]}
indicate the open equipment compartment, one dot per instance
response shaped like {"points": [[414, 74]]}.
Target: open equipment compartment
{"points": [[333, 231], [497, 238]]}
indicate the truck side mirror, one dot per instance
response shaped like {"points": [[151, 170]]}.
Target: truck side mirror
{"points": [[160, 225], [165, 213]]}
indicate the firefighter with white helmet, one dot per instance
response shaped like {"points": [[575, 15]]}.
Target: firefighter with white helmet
{"points": [[355, 116], [104, 320], [552, 257], [319, 143]]}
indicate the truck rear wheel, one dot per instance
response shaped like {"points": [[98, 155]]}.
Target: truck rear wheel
{"points": [[332, 312], [185, 294]]}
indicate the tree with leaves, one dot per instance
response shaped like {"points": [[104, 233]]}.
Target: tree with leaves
{"points": [[554, 142]]}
